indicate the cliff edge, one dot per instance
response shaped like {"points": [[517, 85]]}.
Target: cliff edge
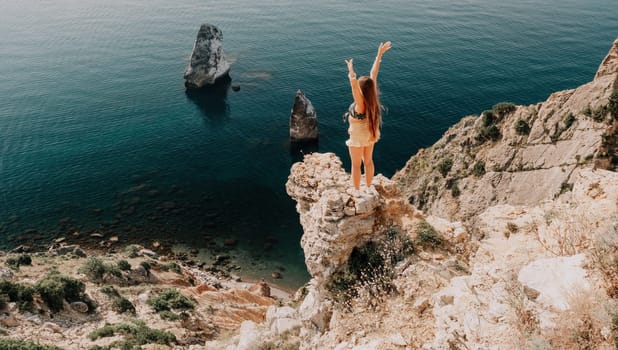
{"points": [[518, 155]]}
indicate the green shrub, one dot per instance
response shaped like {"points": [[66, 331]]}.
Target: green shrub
{"points": [[488, 117], [370, 267], [136, 333], [19, 293], [613, 104], [565, 187], [20, 344], [96, 269], [55, 288], [170, 299], [15, 262], [455, 191], [504, 108], [479, 169], [488, 133], [599, 114], [3, 300], [427, 235], [522, 127], [110, 291], [132, 250], [171, 266], [568, 121], [123, 265], [445, 166], [122, 305], [146, 265]]}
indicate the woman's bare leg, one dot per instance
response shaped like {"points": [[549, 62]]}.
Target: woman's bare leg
{"points": [[356, 154], [368, 164]]}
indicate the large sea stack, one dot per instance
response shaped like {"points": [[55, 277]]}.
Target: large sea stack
{"points": [[208, 62], [303, 120]]}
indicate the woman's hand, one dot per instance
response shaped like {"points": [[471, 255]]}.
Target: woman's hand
{"points": [[350, 68], [383, 48]]}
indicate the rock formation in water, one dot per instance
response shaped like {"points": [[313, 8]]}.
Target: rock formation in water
{"points": [[303, 120], [516, 246], [208, 61]]}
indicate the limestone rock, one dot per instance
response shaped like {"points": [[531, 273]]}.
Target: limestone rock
{"points": [[6, 275], [68, 249], [556, 279], [147, 253], [303, 119], [261, 288], [320, 185], [281, 319], [610, 62], [79, 306], [208, 61], [9, 320], [562, 138], [249, 336]]}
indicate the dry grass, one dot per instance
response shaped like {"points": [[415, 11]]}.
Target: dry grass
{"points": [[587, 325], [524, 318], [604, 257], [566, 238]]}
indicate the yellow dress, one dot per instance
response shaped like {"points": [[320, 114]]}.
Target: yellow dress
{"points": [[360, 136]]}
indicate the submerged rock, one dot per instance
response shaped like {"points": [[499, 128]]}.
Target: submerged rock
{"points": [[208, 61], [303, 119]]}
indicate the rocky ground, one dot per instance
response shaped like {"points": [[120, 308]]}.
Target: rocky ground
{"points": [[220, 302], [502, 235]]}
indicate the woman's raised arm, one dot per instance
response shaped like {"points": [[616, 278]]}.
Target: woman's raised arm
{"points": [[356, 90], [376, 64]]}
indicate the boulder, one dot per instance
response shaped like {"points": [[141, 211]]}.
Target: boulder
{"points": [[73, 249], [208, 61], [303, 120], [555, 279], [249, 336]]}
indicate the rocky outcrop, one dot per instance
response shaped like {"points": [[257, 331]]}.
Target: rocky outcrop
{"points": [[303, 120], [335, 221], [534, 266], [609, 65], [208, 62], [519, 155]]}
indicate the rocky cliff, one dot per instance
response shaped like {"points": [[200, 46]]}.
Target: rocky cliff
{"points": [[502, 235], [517, 155]]}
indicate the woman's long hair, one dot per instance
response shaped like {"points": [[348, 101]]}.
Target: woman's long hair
{"points": [[372, 105]]}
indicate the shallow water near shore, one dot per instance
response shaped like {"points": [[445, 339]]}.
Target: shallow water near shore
{"points": [[97, 133]]}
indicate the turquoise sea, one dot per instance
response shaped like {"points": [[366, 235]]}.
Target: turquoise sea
{"points": [[97, 133]]}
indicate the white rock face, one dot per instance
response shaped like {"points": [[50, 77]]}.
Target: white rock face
{"points": [[208, 61], [518, 168], [282, 319], [249, 336], [334, 221], [556, 279], [481, 307]]}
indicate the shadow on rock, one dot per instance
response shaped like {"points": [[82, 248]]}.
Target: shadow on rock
{"points": [[212, 100]]}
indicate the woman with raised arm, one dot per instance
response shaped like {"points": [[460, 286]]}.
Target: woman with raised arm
{"points": [[364, 116]]}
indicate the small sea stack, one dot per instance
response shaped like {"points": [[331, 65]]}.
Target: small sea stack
{"points": [[303, 120], [208, 63]]}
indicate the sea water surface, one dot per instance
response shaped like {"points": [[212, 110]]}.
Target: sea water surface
{"points": [[97, 133]]}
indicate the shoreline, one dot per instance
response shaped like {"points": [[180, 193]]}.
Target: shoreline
{"points": [[169, 252]]}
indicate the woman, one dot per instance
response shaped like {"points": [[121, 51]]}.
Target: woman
{"points": [[365, 117]]}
